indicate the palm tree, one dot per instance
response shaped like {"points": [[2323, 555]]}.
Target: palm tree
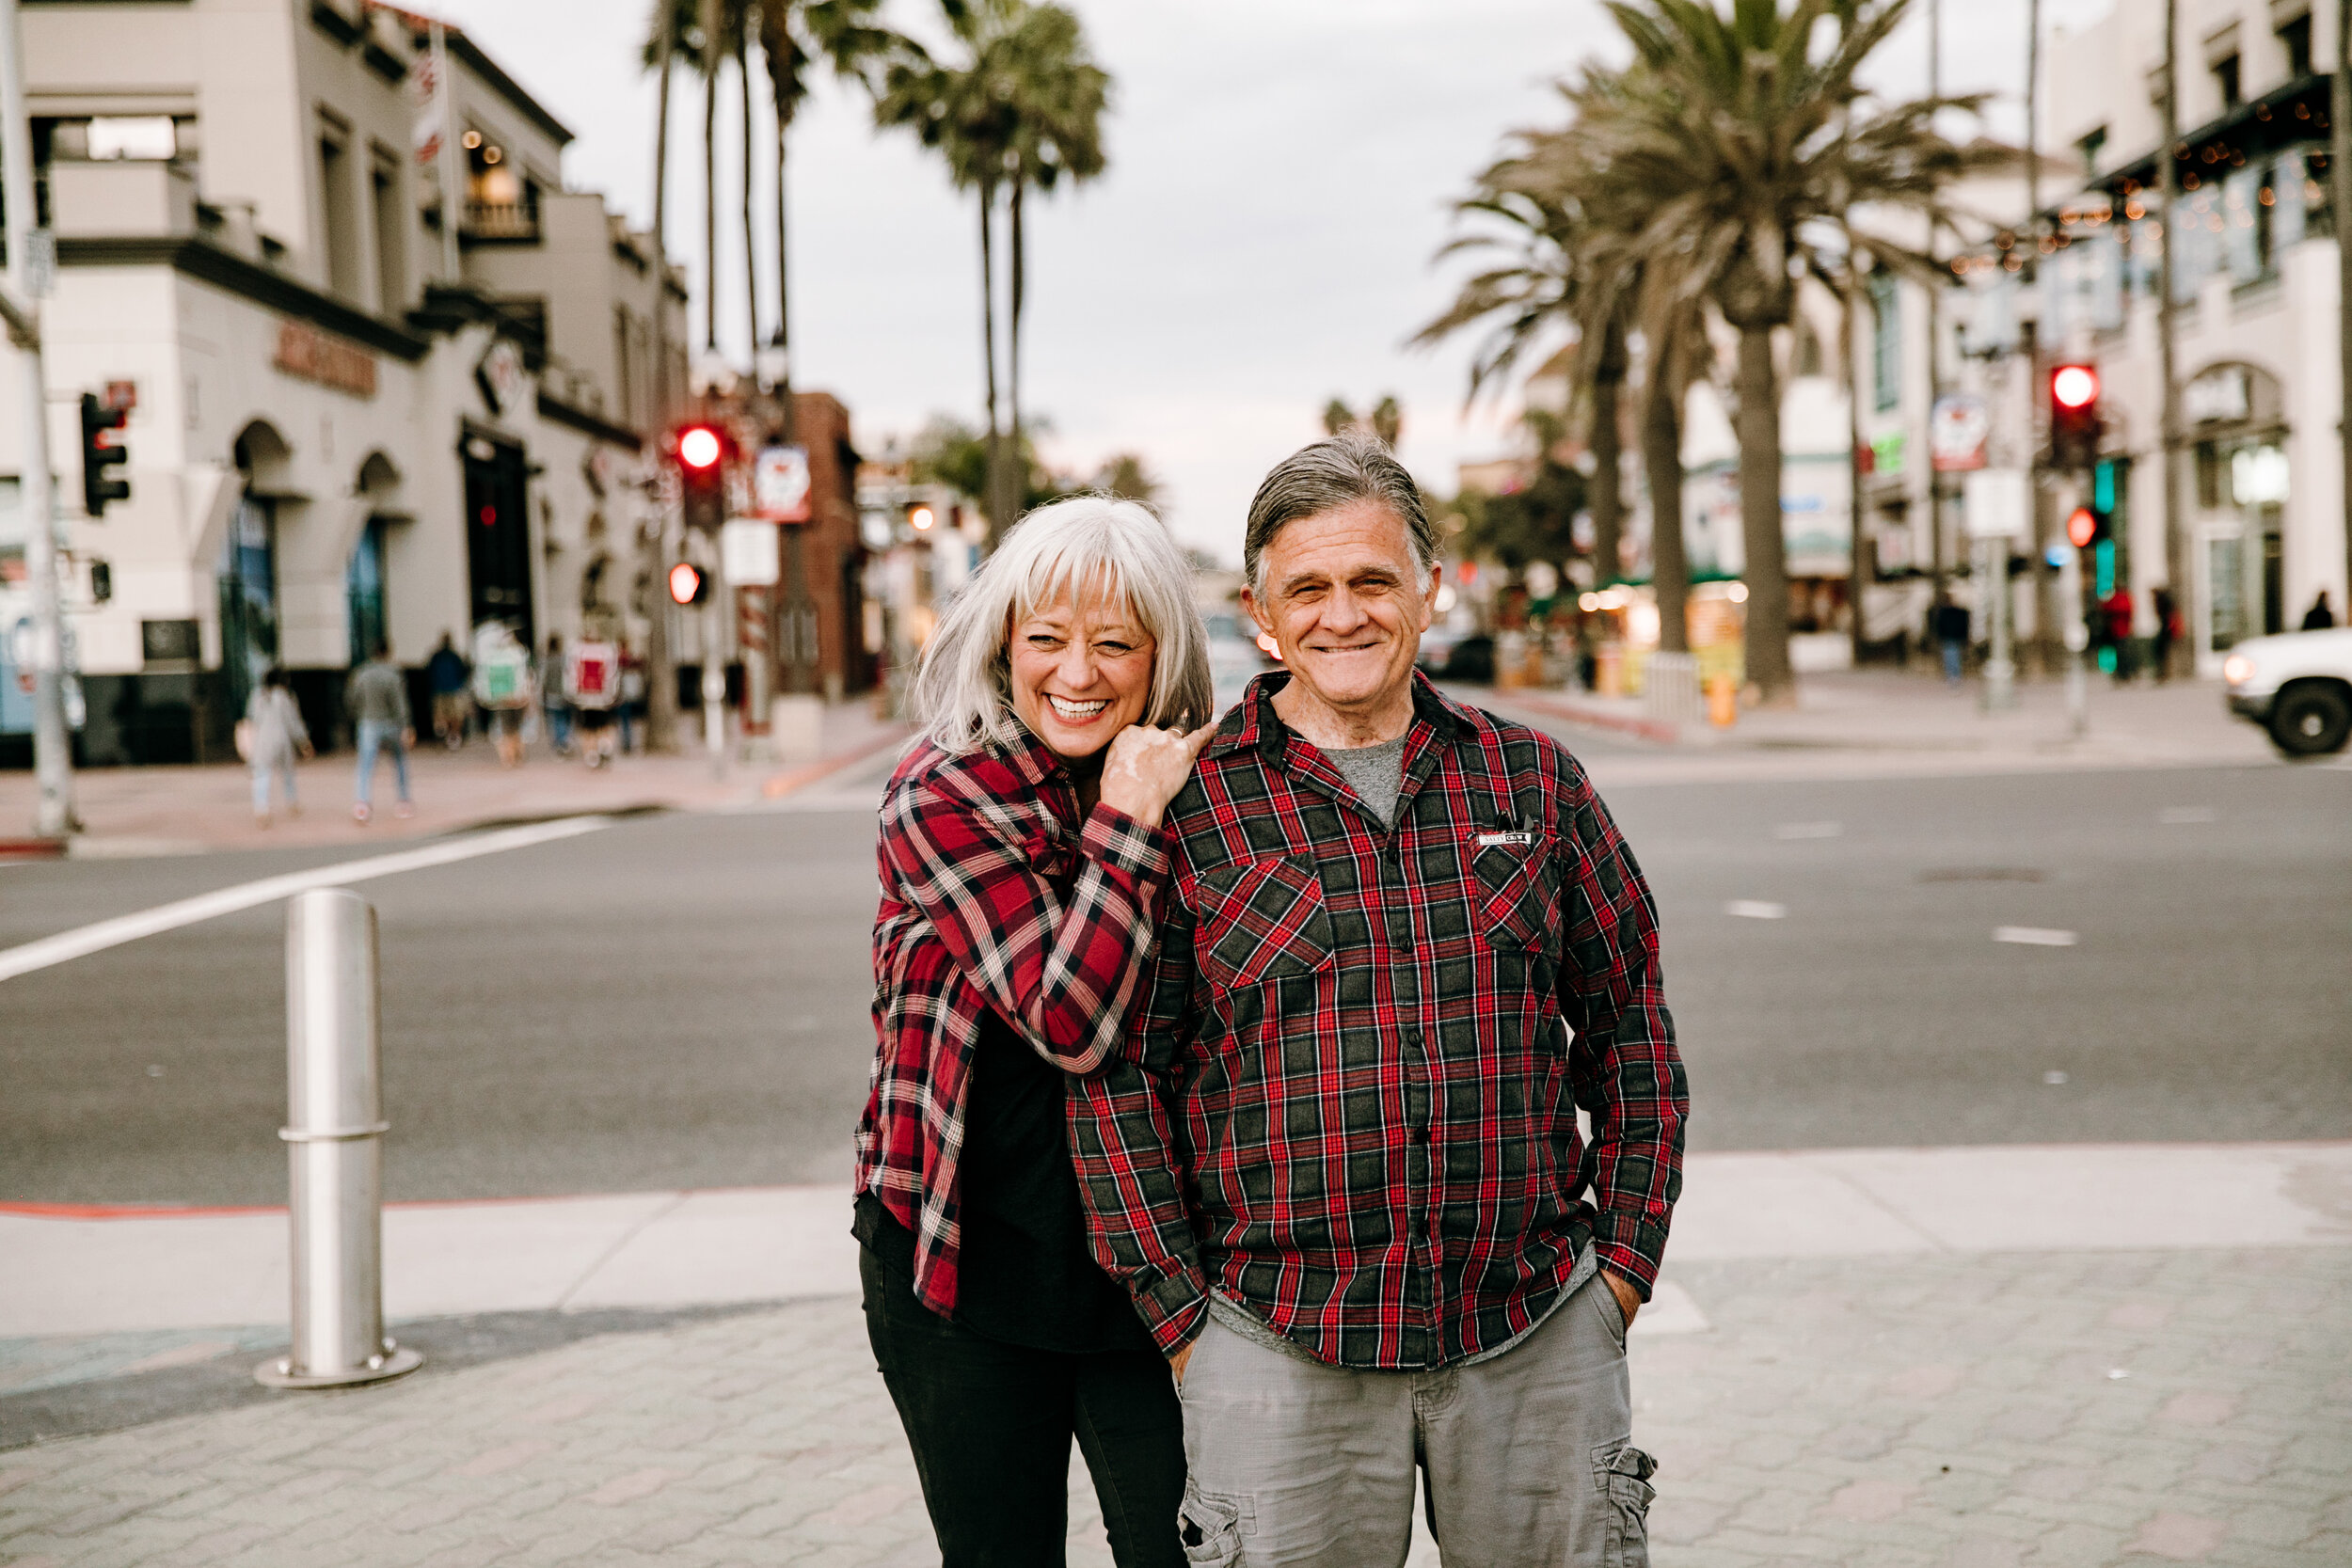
{"points": [[1061, 95], [1023, 108], [1748, 137], [1546, 282], [702, 28], [796, 37]]}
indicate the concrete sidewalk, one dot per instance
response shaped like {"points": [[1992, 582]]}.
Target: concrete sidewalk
{"points": [[1899, 722], [1949, 1358], [148, 810]]}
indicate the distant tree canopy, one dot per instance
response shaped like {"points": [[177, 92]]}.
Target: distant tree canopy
{"points": [[948, 451], [1536, 522], [1125, 475], [1386, 420]]}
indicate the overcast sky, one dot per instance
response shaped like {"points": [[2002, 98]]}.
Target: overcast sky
{"points": [[1280, 177]]}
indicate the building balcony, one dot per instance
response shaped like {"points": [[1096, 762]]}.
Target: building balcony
{"points": [[501, 223]]}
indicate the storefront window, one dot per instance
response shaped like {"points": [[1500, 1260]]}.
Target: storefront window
{"points": [[248, 599], [1887, 343], [364, 592]]}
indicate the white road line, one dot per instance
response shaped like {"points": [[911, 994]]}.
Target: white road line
{"points": [[228, 901], [1754, 909], [2033, 936]]}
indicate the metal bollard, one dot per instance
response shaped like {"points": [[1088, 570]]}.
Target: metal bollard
{"points": [[334, 1162]]}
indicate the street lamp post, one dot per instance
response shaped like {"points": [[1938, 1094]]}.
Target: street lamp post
{"points": [[28, 259]]}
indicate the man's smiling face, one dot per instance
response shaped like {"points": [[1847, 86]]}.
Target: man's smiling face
{"points": [[1346, 603]]}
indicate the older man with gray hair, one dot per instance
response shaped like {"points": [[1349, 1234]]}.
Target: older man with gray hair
{"points": [[1338, 1164]]}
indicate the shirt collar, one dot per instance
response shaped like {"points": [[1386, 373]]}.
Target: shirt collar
{"points": [[1253, 722]]}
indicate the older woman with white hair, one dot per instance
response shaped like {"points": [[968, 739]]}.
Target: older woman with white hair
{"points": [[1023, 871]]}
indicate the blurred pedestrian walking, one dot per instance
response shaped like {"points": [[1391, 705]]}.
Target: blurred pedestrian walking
{"points": [[2117, 612], [2168, 630], [632, 697], [377, 698], [1336, 1161], [1947, 625], [592, 689], [2321, 616], [447, 675], [1022, 870], [502, 687], [551, 698], [270, 737]]}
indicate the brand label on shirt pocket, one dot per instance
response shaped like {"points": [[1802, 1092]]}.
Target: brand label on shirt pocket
{"points": [[1517, 889], [1261, 921]]}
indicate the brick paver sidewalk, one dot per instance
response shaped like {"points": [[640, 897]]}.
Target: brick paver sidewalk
{"points": [[1944, 1412]]}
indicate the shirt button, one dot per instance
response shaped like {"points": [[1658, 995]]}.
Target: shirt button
{"points": [[1419, 1134], [1412, 1037]]}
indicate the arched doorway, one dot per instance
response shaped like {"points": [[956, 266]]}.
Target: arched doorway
{"points": [[365, 612], [246, 573]]}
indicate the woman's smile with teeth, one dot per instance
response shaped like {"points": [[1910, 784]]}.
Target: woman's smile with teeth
{"points": [[1068, 709]]}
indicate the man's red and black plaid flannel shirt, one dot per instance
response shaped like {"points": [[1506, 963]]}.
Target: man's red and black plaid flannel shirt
{"points": [[1348, 1100], [994, 894]]}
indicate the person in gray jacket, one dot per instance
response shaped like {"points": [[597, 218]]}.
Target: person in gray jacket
{"points": [[275, 735], [378, 699]]}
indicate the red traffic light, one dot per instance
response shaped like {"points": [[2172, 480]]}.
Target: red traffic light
{"points": [[2082, 527], [2074, 387], [699, 447], [686, 583]]}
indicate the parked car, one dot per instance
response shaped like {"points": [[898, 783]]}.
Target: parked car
{"points": [[1457, 656], [2297, 686]]}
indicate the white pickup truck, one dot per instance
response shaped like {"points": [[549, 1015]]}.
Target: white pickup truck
{"points": [[2297, 686]]}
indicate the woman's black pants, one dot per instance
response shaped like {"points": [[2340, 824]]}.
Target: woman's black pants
{"points": [[991, 1426]]}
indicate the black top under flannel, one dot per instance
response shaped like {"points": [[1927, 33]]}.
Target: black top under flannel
{"points": [[1348, 1099]]}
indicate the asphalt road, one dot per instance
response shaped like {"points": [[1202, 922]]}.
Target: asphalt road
{"points": [[682, 1001]]}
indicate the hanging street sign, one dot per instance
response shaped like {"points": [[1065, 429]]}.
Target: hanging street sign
{"points": [[1957, 432], [780, 484]]}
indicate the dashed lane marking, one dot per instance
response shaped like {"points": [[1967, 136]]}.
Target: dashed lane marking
{"points": [[2033, 936], [1756, 909]]}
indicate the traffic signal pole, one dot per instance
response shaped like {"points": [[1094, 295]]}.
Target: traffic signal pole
{"points": [[53, 756]]}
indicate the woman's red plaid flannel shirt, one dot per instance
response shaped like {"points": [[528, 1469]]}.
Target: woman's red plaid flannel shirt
{"points": [[994, 895]]}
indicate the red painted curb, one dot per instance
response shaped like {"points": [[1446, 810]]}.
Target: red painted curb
{"points": [[32, 848], [127, 1210]]}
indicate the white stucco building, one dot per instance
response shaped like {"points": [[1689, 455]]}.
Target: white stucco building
{"points": [[343, 425]]}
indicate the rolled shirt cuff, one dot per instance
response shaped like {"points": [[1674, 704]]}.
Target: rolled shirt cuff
{"points": [[1124, 844], [1630, 1247], [1174, 1309]]}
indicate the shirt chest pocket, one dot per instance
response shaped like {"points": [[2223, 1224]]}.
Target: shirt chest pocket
{"points": [[1516, 886], [1261, 921]]}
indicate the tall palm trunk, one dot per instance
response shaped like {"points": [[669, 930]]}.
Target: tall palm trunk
{"points": [[1859, 556], [2176, 569], [662, 133], [787, 413], [751, 246], [1608, 489], [1661, 463], [997, 521], [710, 175], [661, 678], [1016, 461], [2340, 181], [1767, 573]]}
